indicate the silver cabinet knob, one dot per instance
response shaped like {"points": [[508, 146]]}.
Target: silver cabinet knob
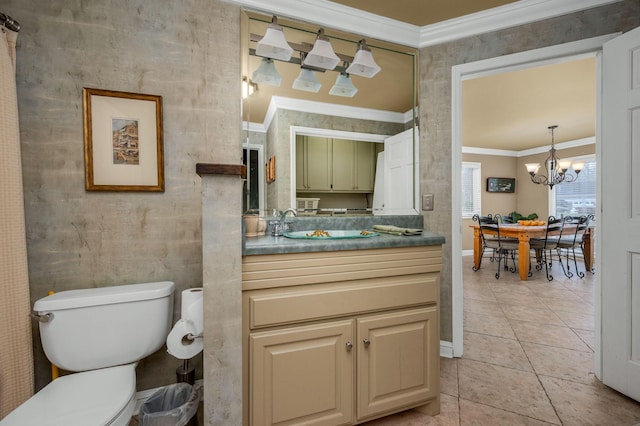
{"points": [[349, 345], [366, 342]]}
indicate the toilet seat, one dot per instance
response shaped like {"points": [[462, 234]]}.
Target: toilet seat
{"points": [[95, 397]]}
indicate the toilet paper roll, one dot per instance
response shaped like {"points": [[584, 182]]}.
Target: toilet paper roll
{"points": [[191, 308], [179, 345]]}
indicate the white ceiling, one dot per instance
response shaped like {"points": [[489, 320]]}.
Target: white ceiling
{"points": [[507, 111]]}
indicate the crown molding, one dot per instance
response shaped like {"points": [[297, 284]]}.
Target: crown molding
{"points": [[538, 150], [510, 15], [339, 17], [344, 18]]}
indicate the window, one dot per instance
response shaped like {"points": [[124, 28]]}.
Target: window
{"points": [[471, 189], [579, 197]]}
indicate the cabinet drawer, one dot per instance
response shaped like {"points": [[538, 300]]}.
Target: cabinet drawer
{"points": [[273, 307]]}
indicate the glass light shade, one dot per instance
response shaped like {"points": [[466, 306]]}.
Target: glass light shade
{"points": [[564, 165], [577, 167], [307, 81], [274, 45], [343, 87], [322, 54], [267, 73], [363, 63], [532, 167]]}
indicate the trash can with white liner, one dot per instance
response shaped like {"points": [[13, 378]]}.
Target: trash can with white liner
{"points": [[173, 405]]}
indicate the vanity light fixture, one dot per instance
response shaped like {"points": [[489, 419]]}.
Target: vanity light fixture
{"points": [[363, 63], [248, 87], [267, 73], [322, 54], [556, 168], [274, 45], [307, 81], [344, 86]]}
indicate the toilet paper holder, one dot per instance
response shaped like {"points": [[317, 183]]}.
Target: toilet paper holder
{"points": [[190, 338], [194, 336]]}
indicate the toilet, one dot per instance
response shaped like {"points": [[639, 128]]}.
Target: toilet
{"points": [[100, 334]]}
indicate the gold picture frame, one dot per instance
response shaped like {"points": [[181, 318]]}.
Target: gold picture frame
{"points": [[123, 141]]}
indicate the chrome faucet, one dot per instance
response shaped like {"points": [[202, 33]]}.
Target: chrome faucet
{"points": [[279, 227]]}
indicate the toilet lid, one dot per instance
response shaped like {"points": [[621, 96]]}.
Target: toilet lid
{"points": [[79, 399]]}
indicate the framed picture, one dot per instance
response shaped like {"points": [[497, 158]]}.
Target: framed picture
{"points": [[123, 146], [501, 184]]}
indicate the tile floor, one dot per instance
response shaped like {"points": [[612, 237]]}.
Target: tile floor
{"points": [[528, 357]]}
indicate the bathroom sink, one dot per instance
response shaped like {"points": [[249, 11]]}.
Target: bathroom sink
{"points": [[321, 234]]}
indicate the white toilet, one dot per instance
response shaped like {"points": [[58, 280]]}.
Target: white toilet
{"points": [[101, 334]]}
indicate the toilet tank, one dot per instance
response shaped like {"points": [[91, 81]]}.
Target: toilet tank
{"points": [[107, 326]]}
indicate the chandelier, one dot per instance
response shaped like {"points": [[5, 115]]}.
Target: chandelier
{"points": [[555, 167]]}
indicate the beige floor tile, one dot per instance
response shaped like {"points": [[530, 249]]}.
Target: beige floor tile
{"points": [[449, 376], [561, 363], [481, 307], [558, 293], [479, 294], [474, 414], [580, 320], [510, 299], [587, 336], [586, 295], [492, 324], [583, 405], [495, 350], [566, 305], [550, 335], [511, 390], [510, 287], [539, 314]]}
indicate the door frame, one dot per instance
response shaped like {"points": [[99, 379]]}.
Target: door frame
{"points": [[591, 47]]}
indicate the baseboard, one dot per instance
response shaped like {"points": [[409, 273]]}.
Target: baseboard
{"points": [[142, 396], [446, 349]]}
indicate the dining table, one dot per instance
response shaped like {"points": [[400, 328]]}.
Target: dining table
{"points": [[524, 233]]}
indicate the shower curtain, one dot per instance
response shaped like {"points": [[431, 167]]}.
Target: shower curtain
{"points": [[16, 351]]}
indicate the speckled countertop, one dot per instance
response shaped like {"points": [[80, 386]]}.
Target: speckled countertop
{"points": [[273, 245]]}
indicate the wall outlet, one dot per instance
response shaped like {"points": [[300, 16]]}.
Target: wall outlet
{"points": [[427, 202]]}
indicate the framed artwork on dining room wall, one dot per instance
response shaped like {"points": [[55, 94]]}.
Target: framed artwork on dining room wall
{"points": [[505, 185], [123, 141]]}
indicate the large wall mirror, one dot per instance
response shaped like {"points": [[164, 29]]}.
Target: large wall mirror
{"points": [[318, 150]]}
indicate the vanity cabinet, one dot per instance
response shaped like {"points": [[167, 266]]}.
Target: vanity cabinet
{"points": [[340, 338], [334, 165]]}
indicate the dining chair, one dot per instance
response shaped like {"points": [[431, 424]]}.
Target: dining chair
{"points": [[544, 247], [502, 247], [570, 241]]}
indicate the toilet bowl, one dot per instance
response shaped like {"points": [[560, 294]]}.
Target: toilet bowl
{"points": [[100, 334], [97, 397]]}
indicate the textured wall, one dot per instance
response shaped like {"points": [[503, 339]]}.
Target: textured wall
{"points": [[184, 51], [435, 101]]}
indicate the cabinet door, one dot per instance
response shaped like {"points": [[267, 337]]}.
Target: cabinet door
{"points": [[317, 163], [343, 165], [398, 362], [302, 375], [365, 165]]}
